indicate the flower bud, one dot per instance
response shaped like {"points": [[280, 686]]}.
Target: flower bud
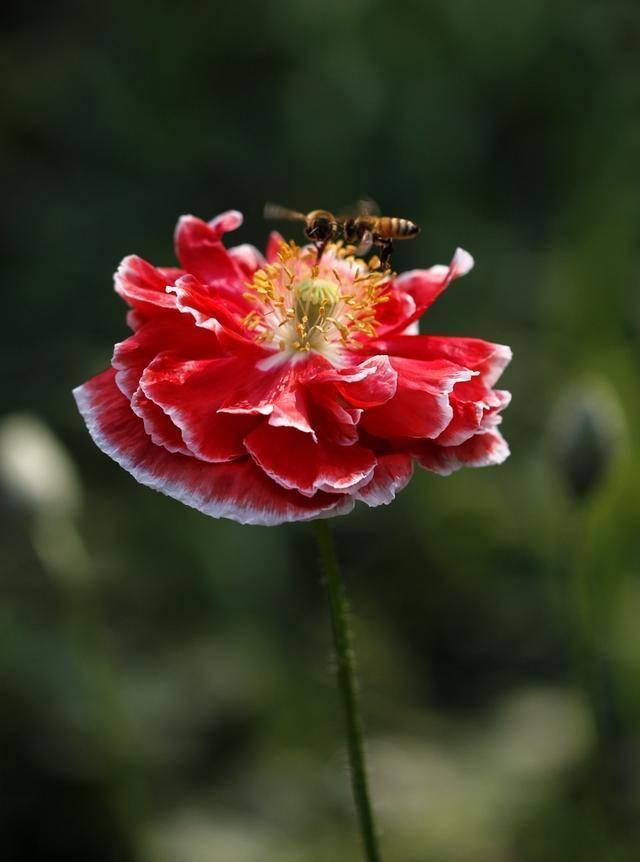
{"points": [[35, 470], [585, 434]]}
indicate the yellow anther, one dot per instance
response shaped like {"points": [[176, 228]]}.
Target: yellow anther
{"points": [[300, 310]]}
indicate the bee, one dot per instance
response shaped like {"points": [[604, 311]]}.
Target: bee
{"points": [[320, 226], [368, 228], [363, 230]]}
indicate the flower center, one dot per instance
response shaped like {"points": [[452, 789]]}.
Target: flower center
{"points": [[303, 305], [316, 299]]}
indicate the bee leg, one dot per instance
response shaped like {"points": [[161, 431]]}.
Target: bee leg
{"points": [[320, 247], [386, 249]]}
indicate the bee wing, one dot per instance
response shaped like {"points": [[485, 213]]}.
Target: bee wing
{"points": [[365, 244], [274, 211], [362, 207], [367, 207]]}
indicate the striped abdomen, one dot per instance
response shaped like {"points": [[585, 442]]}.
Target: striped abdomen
{"points": [[391, 227]]}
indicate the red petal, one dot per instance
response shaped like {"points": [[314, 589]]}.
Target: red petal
{"points": [[482, 450], [256, 388], [294, 460], [216, 402], [248, 259], [171, 273], [157, 424], [473, 401], [391, 475], [291, 411], [273, 245], [335, 420], [200, 251], [143, 286], [368, 384], [208, 310], [476, 412], [392, 314], [225, 222], [474, 353], [425, 285], [132, 356], [191, 393], [421, 405], [236, 490]]}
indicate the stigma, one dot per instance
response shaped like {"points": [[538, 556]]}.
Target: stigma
{"points": [[329, 306]]}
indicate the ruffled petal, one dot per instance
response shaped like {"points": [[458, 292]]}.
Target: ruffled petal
{"points": [[391, 475], [192, 393], [143, 286], [238, 344], [248, 259], [483, 356], [208, 309], [473, 414], [171, 273], [225, 222], [216, 402], [421, 406], [291, 410], [335, 419], [482, 450], [391, 316], [276, 240], [131, 356], [200, 250], [368, 384], [238, 489], [157, 424], [424, 286], [294, 460], [256, 388], [473, 401]]}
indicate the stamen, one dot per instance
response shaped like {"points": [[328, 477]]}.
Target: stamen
{"points": [[310, 311]]}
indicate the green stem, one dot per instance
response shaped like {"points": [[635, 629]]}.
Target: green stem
{"points": [[347, 685], [590, 632]]}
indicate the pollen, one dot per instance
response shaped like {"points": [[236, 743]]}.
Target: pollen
{"points": [[302, 305]]}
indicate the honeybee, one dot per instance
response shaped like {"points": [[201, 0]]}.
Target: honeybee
{"points": [[363, 230], [320, 226], [368, 228]]}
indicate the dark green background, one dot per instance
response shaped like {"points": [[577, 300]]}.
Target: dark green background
{"points": [[170, 698]]}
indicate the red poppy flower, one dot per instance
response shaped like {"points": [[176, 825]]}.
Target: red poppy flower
{"points": [[273, 389]]}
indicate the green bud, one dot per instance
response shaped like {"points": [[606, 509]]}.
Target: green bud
{"points": [[585, 434]]}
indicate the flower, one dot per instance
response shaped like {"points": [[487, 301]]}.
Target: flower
{"points": [[273, 389]]}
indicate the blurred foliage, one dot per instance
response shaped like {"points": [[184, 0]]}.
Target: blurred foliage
{"points": [[165, 678]]}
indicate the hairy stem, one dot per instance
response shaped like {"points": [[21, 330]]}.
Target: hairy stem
{"points": [[347, 685]]}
